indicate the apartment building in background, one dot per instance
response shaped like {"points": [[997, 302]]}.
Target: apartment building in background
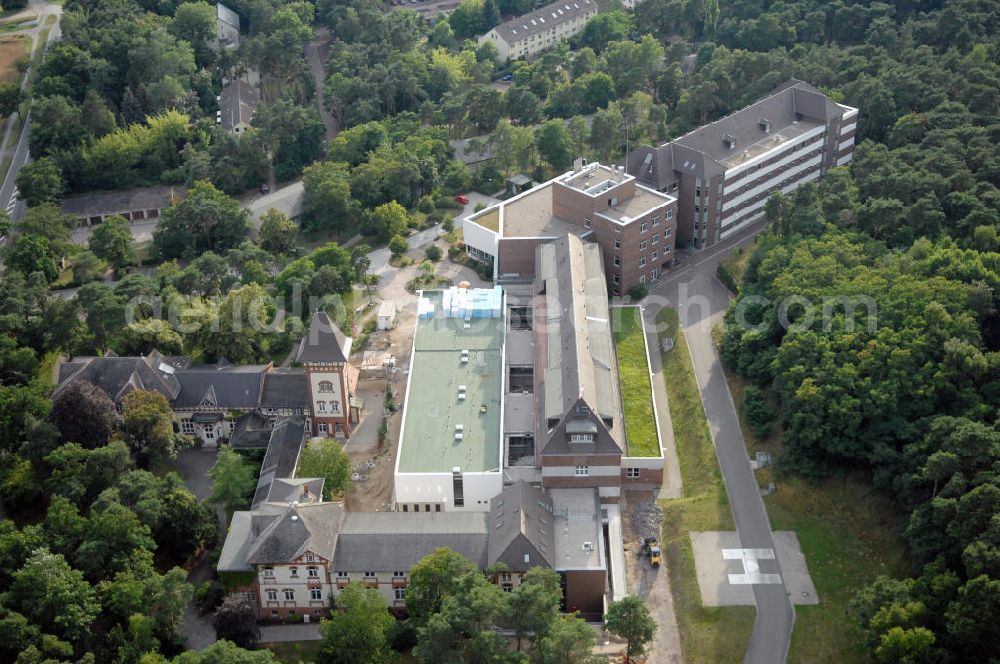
{"points": [[722, 173], [634, 225], [528, 35]]}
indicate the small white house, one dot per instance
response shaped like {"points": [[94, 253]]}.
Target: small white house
{"points": [[387, 315]]}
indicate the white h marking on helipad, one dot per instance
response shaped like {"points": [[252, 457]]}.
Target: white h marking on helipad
{"points": [[752, 573]]}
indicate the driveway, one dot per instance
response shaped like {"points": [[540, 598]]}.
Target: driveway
{"points": [[702, 301], [193, 464]]}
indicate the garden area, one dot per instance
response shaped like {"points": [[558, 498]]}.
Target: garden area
{"points": [[637, 394]]}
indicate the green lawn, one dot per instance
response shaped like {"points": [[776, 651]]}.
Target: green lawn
{"points": [[710, 635], [846, 530], [292, 652], [633, 369]]}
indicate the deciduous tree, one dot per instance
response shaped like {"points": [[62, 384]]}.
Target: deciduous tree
{"points": [[325, 457], [84, 414], [356, 632], [629, 618]]}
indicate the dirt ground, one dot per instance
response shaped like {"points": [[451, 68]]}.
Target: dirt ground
{"points": [[375, 492], [652, 584], [12, 48]]}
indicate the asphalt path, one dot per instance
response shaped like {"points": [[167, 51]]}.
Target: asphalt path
{"points": [[8, 190], [702, 301]]}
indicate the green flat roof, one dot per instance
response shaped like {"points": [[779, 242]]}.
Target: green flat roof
{"points": [[433, 408]]}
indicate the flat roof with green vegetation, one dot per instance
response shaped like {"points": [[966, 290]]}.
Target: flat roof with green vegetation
{"points": [[708, 634], [637, 393], [434, 409], [489, 219]]}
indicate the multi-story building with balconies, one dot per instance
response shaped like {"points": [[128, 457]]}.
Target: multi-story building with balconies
{"points": [[722, 173]]}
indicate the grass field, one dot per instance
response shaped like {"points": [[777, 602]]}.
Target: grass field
{"points": [[848, 536], [640, 421], [715, 635], [12, 48]]}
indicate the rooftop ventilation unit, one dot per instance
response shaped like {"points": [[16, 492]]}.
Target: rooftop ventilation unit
{"points": [[465, 356], [729, 140], [765, 124], [461, 392]]}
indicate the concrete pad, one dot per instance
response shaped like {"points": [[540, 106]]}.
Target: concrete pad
{"points": [[727, 572], [798, 583]]}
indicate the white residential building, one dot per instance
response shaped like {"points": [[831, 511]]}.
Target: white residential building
{"points": [[528, 35]]}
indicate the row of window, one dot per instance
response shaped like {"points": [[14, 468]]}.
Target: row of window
{"points": [[617, 261], [427, 507], [655, 220], [289, 594], [334, 407]]}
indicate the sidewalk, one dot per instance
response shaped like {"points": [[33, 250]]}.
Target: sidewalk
{"points": [[673, 486]]}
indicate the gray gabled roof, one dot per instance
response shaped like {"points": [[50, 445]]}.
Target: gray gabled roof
{"points": [[543, 19], [120, 375], [240, 537], [581, 419], [580, 361], [283, 449], [325, 342], [520, 521], [237, 103], [220, 386], [285, 388], [298, 529], [391, 541]]}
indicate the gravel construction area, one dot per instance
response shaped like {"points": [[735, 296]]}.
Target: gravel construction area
{"points": [[646, 519]]}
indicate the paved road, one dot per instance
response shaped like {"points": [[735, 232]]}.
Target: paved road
{"points": [[8, 192], [702, 301], [316, 52], [288, 199]]}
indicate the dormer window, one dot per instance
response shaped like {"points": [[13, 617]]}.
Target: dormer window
{"points": [[581, 438]]}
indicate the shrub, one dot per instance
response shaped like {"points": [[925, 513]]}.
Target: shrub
{"points": [[433, 252], [426, 204], [398, 245], [448, 225], [758, 411], [638, 291], [726, 277]]}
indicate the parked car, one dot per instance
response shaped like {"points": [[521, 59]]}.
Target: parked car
{"points": [[264, 189], [463, 199], [507, 78]]}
